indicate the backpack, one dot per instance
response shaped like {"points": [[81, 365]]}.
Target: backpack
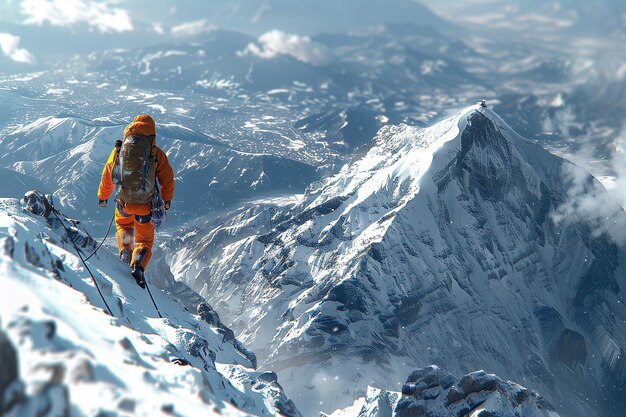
{"points": [[136, 169]]}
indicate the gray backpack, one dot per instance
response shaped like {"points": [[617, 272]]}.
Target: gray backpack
{"points": [[137, 169]]}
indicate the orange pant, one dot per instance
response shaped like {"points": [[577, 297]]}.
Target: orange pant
{"points": [[135, 231]]}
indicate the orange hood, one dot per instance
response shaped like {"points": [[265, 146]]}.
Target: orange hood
{"points": [[141, 124]]}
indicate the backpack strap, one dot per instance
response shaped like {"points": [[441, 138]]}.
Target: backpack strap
{"points": [[118, 148], [116, 159]]}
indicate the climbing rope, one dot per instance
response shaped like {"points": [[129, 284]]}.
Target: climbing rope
{"points": [[103, 240], [85, 263], [150, 294]]}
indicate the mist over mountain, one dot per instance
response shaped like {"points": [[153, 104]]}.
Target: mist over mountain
{"points": [[595, 18]]}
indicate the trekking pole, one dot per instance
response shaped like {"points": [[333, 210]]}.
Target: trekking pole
{"points": [[105, 238], [84, 263], [150, 294]]}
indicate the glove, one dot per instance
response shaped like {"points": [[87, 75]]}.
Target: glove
{"points": [[102, 203], [168, 204]]}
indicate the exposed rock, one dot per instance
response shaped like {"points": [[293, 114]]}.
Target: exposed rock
{"points": [[127, 404], [571, 348], [82, 371], [8, 246], [9, 370], [432, 392], [267, 377], [477, 382], [32, 256], [206, 313], [268, 382]]}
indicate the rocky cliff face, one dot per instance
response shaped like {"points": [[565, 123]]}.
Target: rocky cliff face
{"points": [[431, 391], [436, 245]]}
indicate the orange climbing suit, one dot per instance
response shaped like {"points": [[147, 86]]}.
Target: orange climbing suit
{"points": [[134, 230]]}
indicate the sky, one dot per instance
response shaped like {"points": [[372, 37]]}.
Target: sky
{"points": [[31, 28]]}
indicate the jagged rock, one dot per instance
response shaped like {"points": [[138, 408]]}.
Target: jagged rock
{"points": [[52, 401], [49, 399], [82, 371], [570, 348], [206, 313], [246, 353], [32, 256], [8, 246], [456, 394], [425, 378], [477, 382], [198, 347], [73, 348], [127, 404], [268, 382], [267, 377], [410, 408], [209, 315], [9, 370], [432, 392], [227, 334]]}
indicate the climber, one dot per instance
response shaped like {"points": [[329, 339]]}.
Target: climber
{"points": [[146, 187]]}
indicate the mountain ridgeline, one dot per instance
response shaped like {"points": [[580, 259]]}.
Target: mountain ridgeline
{"points": [[61, 354], [437, 245]]}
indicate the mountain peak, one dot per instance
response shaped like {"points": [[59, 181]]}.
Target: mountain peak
{"points": [[446, 227]]}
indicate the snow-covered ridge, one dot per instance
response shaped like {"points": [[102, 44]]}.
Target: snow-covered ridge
{"points": [[431, 391], [62, 354], [437, 245]]}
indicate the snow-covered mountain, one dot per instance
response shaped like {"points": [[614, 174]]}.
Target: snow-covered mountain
{"points": [[436, 245], [433, 392], [62, 355], [219, 62], [69, 152]]}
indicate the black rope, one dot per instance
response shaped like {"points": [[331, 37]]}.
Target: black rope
{"points": [[150, 294], [103, 240], [84, 263]]}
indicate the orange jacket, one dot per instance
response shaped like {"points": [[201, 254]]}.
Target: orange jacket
{"points": [[164, 174]]}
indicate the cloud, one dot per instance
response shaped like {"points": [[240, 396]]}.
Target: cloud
{"points": [[274, 43], [618, 165], [190, 29], [592, 203], [10, 46], [326, 386], [158, 28], [96, 14]]}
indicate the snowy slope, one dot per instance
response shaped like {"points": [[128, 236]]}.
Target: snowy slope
{"points": [[432, 391], [62, 355], [437, 245]]}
